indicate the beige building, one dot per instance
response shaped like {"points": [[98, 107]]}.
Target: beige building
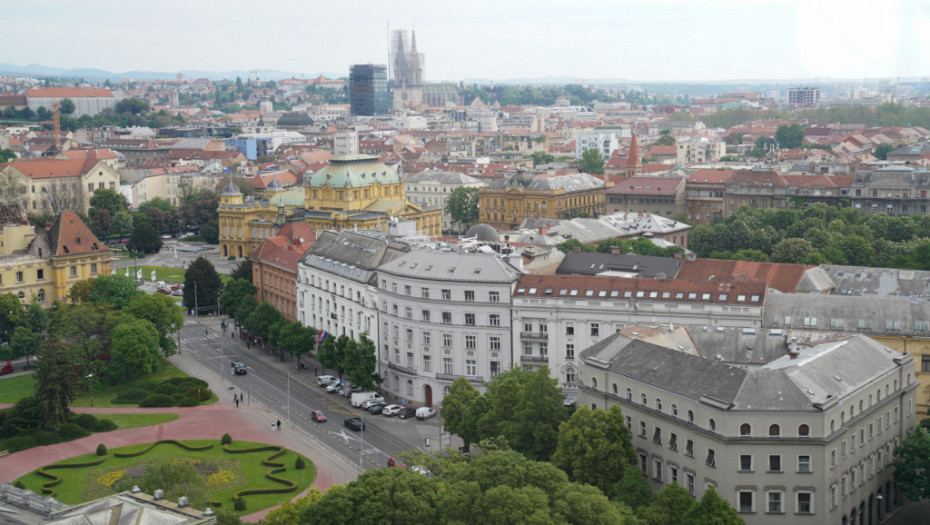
{"points": [[432, 188], [697, 150], [170, 183], [66, 182]]}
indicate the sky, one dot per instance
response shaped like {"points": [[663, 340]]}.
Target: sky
{"points": [[584, 40]]}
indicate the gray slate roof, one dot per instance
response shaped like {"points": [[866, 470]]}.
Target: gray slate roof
{"points": [[586, 263], [351, 254], [881, 282], [442, 177], [452, 266]]}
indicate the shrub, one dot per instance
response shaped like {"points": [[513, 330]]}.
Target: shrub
{"points": [[167, 388], [15, 444], [299, 464], [158, 400], [19, 484], [188, 402], [101, 450], [104, 425], [44, 437], [199, 393], [226, 439], [239, 503], [69, 431], [233, 258], [85, 421], [133, 395]]}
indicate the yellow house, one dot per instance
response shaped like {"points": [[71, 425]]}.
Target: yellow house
{"points": [[505, 204], [244, 225], [44, 266], [357, 191]]}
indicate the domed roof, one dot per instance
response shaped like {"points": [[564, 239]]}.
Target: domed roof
{"points": [[295, 119], [231, 189], [484, 232], [353, 171]]}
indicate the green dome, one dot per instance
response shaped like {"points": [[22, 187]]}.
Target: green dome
{"points": [[352, 171]]}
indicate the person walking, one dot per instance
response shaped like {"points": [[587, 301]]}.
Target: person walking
{"points": [[237, 402], [273, 426], [279, 424]]}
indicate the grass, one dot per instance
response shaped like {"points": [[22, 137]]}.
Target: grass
{"points": [[76, 480], [124, 421], [14, 388], [104, 394]]}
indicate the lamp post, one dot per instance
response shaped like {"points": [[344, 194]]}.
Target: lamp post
{"points": [[91, 377]]}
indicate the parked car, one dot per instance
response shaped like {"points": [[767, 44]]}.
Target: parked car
{"points": [[6, 368], [394, 462], [407, 413], [164, 291], [332, 387], [360, 397], [355, 423], [369, 403], [350, 391], [340, 390], [392, 410], [175, 286], [324, 380], [376, 408], [239, 368], [177, 293], [424, 413], [318, 416]]}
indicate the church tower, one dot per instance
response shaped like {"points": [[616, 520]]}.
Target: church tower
{"points": [[634, 164], [408, 71]]}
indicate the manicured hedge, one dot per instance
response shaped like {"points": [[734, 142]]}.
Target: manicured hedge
{"points": [[43, 471], [162, 442]]}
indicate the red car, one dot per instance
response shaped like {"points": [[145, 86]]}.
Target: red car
{"points": [[164, 291], [318, 416], [394, 462], [7, 368]]}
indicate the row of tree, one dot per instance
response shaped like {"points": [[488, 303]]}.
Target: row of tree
{"points": [[817, 234], [638, 246]]}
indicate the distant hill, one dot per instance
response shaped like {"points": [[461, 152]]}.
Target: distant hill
{"points": [[98, 75]]}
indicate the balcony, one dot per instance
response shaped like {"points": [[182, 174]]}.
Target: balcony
{"points": [[453, 377], [534, 336], [534, 358], [400, 368]]}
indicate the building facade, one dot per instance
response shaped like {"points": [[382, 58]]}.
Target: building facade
{"points": [[368, 90], [896, 190], [704, 193], [605, 139], [756, 189], [505, 204], [432, 188], [663, 196], [697, 150], [274, 267], [805, 96], [86, 101], [805, 438], [244, 225], [443, 315], [62, 183]]}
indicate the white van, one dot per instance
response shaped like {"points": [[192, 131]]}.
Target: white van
{"points": [[425, 413], [324, 380], [160, 285], [360, 397]]}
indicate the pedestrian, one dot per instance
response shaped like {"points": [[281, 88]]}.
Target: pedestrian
{"points": [[205, 332], [237, 402], [279, 424], [272, 426]]}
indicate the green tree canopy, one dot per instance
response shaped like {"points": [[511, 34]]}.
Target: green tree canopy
{"points": [[233, 292], [12, 314], [164, 314], [66, 106], [56, 382], [541, 157], [243, 271], [789, 136], [144, 239], [594, 447], [115, 290], [202, 286], [882, 150], [462, 394], [712, 510], [462, 205], [665, 140], [361, 363], [132, 105], [592, 161], [110, 200], [133, 349], [262, 318], [296, 339], [912, 465]]}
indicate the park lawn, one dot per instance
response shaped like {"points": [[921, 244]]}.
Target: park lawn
{"points": [[124, 421], [15, 387], [74, 480], [104, 394]]}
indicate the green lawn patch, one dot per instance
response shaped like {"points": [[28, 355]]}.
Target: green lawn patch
{"points": [[104, 394], [263, 475], [14, 388], [124, 421]]}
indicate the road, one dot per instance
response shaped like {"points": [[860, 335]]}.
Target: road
{"points": [[292, 394]]}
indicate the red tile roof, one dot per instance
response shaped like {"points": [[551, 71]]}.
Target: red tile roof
{"points": [[757, 178], [70, 236], [622, 288], [62, 92], [12, 100], [45, 168], [663, 150], [648, 186], [780, 276], [710, 177], [261, 182]]}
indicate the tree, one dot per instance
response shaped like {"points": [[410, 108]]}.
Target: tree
{"points": [[133, 106], [668, 507], [585, 505], [133, 349], [66, 107], [462, 394], [594, 447], [122, 223], [361, 362], [202, 286], [243, 271], [115, 290], [712, 510], [244, 308], [23, 343], [592, 161], [912, 465], [7, 155], [665, 140], [462, 205], [541, 157], [56, 382], [12, 185], [791, 250], [632, 489], [164, 314], [211, 232], [233, 292], [261, 320], [12, 314], [289, 512], [296, 339], [789, 136], [882, 150], [144, 239]]}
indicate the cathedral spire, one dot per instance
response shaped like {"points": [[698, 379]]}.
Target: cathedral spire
{"points": [[633, 163], [416, 74]]}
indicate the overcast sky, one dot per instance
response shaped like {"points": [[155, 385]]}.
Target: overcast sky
{"points": [[648, 40]]}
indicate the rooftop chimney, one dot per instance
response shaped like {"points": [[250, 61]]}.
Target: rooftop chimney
{"points": [[576, 249], [159, 494]]}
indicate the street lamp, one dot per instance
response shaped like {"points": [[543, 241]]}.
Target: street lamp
{"points": [[91, 377]]}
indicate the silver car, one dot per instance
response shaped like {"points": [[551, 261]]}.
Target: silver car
{"points": [[392, 410]]}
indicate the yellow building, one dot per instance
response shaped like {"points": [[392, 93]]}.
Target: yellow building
{"points": [[44, 266], [505, 204], [919, 347], [244, 225], [357, 191]]}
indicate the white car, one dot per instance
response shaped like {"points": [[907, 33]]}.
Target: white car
{"points": [[392, 410], [332, 387]]}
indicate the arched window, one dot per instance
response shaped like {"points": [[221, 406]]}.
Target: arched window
{"points": [[41, 295], [21, 295], [614, 387], [832, 425], [745, 430], [594, 382], [445, 391], [774, 431], [690, 417], [843, 418], [674, 410], [409, 387], [658, 404], [642, 399], [712, 425], [860, 405], [629, 395], [804, 431], [570, 375]]}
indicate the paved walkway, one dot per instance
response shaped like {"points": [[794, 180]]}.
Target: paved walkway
{"points": [[205, 422]]}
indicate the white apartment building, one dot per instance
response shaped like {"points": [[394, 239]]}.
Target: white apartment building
{"points": [[443, 315], [336, 288], [697, 150], [431, 188], [806, 437], [87, 101], [555, 317], [603, 138]]}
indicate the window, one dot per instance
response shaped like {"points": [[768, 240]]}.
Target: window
{"points": [[471, 367], [408, 336], [658, 404], [673, 474], [496, 369], [40, 273], [804, 431], [804, 503], [447, 340], [804, 464], [424, 315], [690, 417], [527, 348], [689, 481], [712, 425], [674, 410], [833, 458], [569, 328], [642, 464], [774, 431], [595, 329], [427, 364], [74, 271], [394, 287], [494, 320], [447, 365], [745, 501], [494, 343], [745, 463], [424, 293], [774, 502], [406, 289], [494, 297], [689, 448], [447, 294], [745, 430], [775, 463], [657, 470], [642, 429], [673, 441], [711, 459], [569, 351], [470, 342], [447, 318], [657, 436], [19, 276], [408, 312], [642, 399], [470, 319], [469, 295]]}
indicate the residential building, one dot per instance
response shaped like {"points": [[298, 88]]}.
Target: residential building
{"points": [[443, 315], [605, 139], [66, 182], [368, 90], [168, 183], [337, 289], [359, 192], [663, 196], [704, 192], [698, 150], [504, 204], [807, 436], [896, 190], [805, 96], [431, 188], [828, 189], [274, 266], [43, 265], [555, 317], [618, 264], [787, 278], [345, 142], [756, 189], [86, 101]]}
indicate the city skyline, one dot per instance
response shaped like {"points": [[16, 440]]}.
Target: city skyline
{"points": [[658, 41]]}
